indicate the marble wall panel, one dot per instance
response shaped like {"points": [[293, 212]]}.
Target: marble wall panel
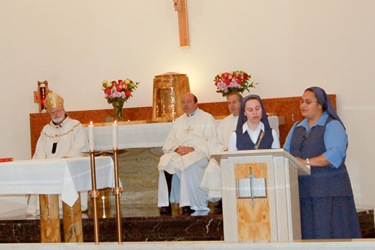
{"points": [[139, 175]]}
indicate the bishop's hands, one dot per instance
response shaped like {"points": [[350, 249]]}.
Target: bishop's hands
{"points": [[183, 150]]}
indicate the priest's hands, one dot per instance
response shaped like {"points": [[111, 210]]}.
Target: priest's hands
{"points": [[183, 150]]}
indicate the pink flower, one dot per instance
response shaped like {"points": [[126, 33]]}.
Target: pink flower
{"points": [[120, 89], [233, 81]]}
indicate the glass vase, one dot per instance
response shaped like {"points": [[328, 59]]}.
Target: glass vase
{"points": [[118, 106]]}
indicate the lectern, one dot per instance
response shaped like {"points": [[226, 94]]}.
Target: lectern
{"points": [[260, 195]]}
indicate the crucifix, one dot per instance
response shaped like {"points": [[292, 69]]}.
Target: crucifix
{"points": [[188, 130], [183, 25]]}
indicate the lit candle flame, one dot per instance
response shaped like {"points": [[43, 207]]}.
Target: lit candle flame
{"points": [[91, 136]]}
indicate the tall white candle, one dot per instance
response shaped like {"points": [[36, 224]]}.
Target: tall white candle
{"points": [[91, 136], [114, 134]]}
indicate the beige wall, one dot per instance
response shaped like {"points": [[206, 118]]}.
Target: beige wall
{"points": [[287, 45]]}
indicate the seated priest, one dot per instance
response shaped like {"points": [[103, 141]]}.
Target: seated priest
{"points": [[186, 155], [62, 137], [211, 181]]}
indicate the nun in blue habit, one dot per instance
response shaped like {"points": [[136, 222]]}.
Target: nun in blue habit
{"points": [[326, 198], [253, 130]]}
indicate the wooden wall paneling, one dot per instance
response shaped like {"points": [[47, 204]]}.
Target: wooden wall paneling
{"points": [[287, 107]]}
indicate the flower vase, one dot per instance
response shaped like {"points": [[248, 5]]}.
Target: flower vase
{"points": [[118, 106]]}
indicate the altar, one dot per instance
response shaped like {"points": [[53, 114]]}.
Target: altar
{"points": [[142, 134], [50, 177], [65, 176], [143, 142]]}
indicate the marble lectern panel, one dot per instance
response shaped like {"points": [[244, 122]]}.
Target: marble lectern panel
{"points": [[271, 218]]}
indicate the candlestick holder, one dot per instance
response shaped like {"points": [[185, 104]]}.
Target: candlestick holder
{"points": [[117, 192], [94, 194]]}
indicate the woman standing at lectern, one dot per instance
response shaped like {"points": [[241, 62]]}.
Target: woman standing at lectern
{"points": [[326, 198]]}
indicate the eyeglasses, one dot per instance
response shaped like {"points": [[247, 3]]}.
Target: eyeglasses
{"points": [[308, 102]]}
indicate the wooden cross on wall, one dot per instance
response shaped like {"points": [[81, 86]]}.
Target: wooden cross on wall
{"points": [[183, 25]]}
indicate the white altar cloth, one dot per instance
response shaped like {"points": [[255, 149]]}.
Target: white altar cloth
{"points": [[65, 176], [146, 135]]}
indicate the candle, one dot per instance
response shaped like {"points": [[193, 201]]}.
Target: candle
{"points": [[103, 204], [114, 134], [91, 136]]}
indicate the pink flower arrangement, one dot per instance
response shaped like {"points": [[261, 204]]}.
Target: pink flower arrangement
{"points": [[120, 90], [233, 82]]}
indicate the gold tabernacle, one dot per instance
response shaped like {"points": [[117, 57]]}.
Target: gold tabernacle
{"points": [[167, 96]]}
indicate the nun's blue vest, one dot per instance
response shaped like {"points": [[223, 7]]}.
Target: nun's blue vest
{"points": [[245, 143], [323, 181]]}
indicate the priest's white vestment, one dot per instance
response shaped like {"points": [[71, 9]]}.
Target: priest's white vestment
{"points": [[211, 181], [197, 131]]}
